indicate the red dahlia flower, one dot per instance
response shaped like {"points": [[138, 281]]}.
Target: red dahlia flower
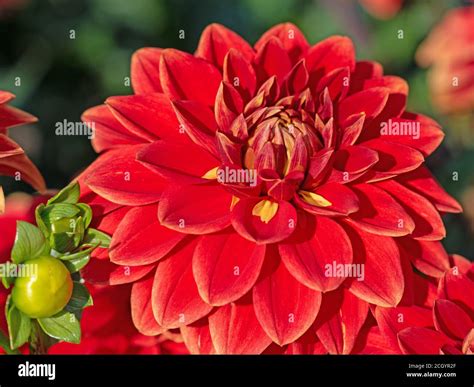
{"points": [[12, 157], [264, 194]]}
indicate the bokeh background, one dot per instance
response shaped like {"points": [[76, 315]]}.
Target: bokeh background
{"points": [[60, 77]]}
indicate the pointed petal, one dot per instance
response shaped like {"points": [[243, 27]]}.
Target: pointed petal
{"points": [[226, 266], [239, 72], [145, 70], [189, 210], [291, 38], [421, 341], [380, 213], [451, 319], [142, 313], [198, 121], [185, 77], [428, 257], [422, 181], [377, 254], [150, 116], [140, 239], [254, 229], [428, 223], [284, 307], [216, 41], [331, 53], [370, 101], [197, 337], [308, 260], [109, 133], [231, 327], [125, 181], [272, 60], [177, 163], [175, 298]]}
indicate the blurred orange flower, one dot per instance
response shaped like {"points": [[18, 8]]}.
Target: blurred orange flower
{"points": [[449, 50]]}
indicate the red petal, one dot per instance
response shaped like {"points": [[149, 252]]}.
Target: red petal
{"points": [[331, 53], [428, 257], [308, 259], [142, 313], [452, 320], [337, 83], [216, 41], [185, 77], [140, 239], [422, 181], [253, 229], [125, 181], [149, 116], [343, 200], [421, 341], [379, 255], [228, 106], [231, 327], [176, 301], [380, 213], [428, 223], [394, 159], [285, 307], [190, 210], [272, 59], [226, 266], [109, 133], [198, 121], [291, 38], [102, 271], [342, 321], [393, 320], [178, 163], [458, 288], [145, 70], [351, 162], [240, 73], [370, 101], [197, 337]]}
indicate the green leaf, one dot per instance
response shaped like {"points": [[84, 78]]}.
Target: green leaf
{"points": [[86, 213], [39, 221], [29, 242], [63, 326], [19, 326], [5, 345], [80, 298], [95, 237], [55, 212], [80, 254], [61, 242], [75, 265], [69, 194]]}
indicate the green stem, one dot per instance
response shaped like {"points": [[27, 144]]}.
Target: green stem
{"points": [[39, 341]]}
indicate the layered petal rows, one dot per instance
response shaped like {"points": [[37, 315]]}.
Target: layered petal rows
{"points": [[266, 199]]}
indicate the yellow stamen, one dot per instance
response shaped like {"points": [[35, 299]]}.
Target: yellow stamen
{"points": [[314, 199], [233, 202], [211, 174], [266, 210]]}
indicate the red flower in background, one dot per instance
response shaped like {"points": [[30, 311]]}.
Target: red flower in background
{"points": [[12, 157], [449, 51], [382, 9], [442, 319], [237, 265]]}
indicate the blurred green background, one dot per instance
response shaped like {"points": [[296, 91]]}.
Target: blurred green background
{"points": [[61, 77]]}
